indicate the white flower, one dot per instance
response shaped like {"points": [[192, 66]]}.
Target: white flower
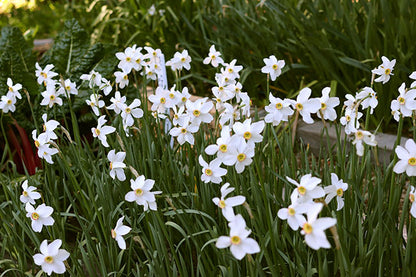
{"points": [[119, 231], [40, 216], [213, 57], [307, 189], [106, 87], [384, 70], [229, 114], [293, 214], [131, 111], [159, 100], [407, 156], [45, 75], [242, 154], [405, 102], [179, 116], [151, 11], [122, 78], [116, 164], [41, 143], [180, 61], [337, 189], [306, 106], [95, 103], [184, 133], [51, 96], [49, 126], [141, 193], [412, 197], [314, 227], [227, 205], [250, 132], [128, 59], [29, 195], [14, 89], [368, 98], [102, 131], [350, 120], [7, 103], [211, 172], [327, 105], [199, 111], [94, 79], [363, 137], [118, 103], [238, 241], [51, 258], [233, 70], [278, 110], [222, 147], [68, 88], [273, 67]]}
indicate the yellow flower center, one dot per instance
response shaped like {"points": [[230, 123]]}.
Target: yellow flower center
{"points": [[183, 131], [387, 71], [307, 228], [411, 198], [221, 204], [52, 97], [291, 211], [162, 100], [49, 259], [183, 59], [279, 106], [128, 59], [35, 216], [208, 172], [113, 234], [235, 240], [125, 77], [138, 60], [97, 131], [223, 148], [171, 95], [412, 161], [401, 100], [323, 106], [213, 57], [275, 67], [301, 190], [196, 113], [226, 78], [138, 192], [184, 99], [44, 75], [25, 193], [37, 143], [175, 116], [128, 110], [299, 106], [247, 135], [230, 70], [340, 192], [241, 157], [9, 102], [10, 89], [68, 88], [359, 135], [154, 54], [348, 118], [111, 165], [44, 127]]}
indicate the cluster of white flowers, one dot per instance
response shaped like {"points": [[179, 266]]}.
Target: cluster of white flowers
{"points": [[302, 199], [8, 101], [45, 140]]}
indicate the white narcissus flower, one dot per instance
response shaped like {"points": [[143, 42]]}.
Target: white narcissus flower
{"points": [[122, 78], [314, 227], [384, 70], [368, 98], [43, 146], [213, 57], [41, 216], [306, 106], [412, 198], [179, 116], [233, 70], [14, 89], [29, 195], [119, 231], [118, 103], [128, 59], [363, 137], [293, 214], [307, 189], [102, 131], [106, 87], [227, 205], [199, 111], [7, 103], [337, 189], [407, 156], [405, 102], [45, 75], [184, 133], [141, 193], [273, 67], [250, 132], [180, 61], [229, 115], [238, 241], [95, 103], [51, 258], [350, 120], [328, 105], [51, 96], [159, 100], [211, 172], [242, 154], [94, 79], [222, 147], [49, 126], [68, 88], [278, 110], [116, 164], [130, 112]]}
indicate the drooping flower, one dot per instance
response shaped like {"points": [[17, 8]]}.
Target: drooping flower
{"points": [[29, 195], [337, 189], [141, 193], [41, 216], [102, 131], [384, 70], [273, 67], [314, 227], [238, 241], [407, 156], [119, 231], [227, 205], [116, 164], [51, 258]]}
